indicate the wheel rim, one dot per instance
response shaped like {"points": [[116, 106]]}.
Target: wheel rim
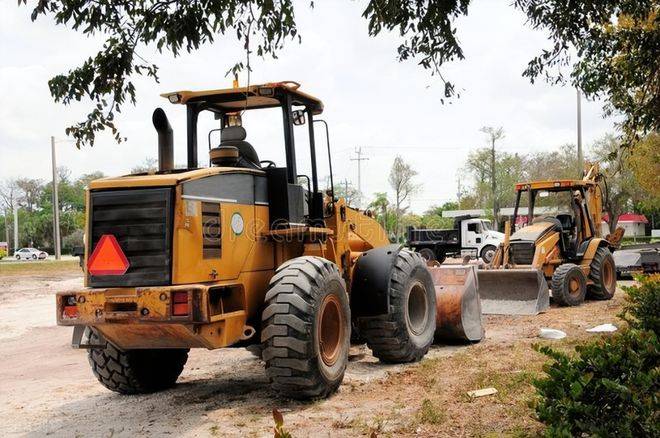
{"points": [[609, 280], [331, 329], [488, 255], [417, 314], [574, 287]]}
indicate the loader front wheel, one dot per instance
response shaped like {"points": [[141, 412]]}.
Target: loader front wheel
{"points": [[406, 333], [603, 274], [135, 371], [306, 328], [569, 285]]}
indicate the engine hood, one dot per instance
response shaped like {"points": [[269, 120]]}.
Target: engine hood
{"points": [[531, 233]]}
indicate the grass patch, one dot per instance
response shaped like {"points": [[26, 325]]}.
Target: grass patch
{"points": [[44, 267], [431, 413]]}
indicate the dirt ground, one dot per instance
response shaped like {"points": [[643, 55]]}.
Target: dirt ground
{"points": [[47, 388]]}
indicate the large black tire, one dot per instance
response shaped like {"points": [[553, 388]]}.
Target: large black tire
{"points": [[406, 333], [569, 285], [427, 254], [603, 274], [440, 254], [306, 328], [488, 253], [135, 371]]}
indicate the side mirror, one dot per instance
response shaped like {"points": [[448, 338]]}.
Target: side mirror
{"points": [[298, 117]]}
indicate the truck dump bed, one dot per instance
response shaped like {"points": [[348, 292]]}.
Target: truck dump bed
{"points": [[434, 235]]}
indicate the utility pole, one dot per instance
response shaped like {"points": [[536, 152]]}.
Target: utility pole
{"points": [[359, 160], [579, 134], [493, 181], [56, 204], [459, 192], [15, 226], [494, 134], [7, 230]]}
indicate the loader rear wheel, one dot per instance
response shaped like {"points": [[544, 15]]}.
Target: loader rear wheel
{"points": [[135, 371], [569, 285], [427, 254], [406, 333], [306, 328], [603, 274]]}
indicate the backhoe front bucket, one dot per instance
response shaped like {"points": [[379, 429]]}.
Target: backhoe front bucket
{"points": [[458, 311], [513, 291]]}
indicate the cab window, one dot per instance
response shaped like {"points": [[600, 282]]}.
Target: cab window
{"points": [[474, 227]]}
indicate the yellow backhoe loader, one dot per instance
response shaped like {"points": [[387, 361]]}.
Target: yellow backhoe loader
{"points": [[559, 246], [240, 253]]}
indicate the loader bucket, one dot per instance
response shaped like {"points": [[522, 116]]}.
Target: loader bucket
{"points": [[458, 311], [513, 291]]}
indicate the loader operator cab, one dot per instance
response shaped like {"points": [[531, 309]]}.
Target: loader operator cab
{"points": [[562, 206], [291, 203]]}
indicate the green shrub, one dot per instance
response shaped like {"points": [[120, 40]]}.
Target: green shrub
{"points": [[642, 310], [610, 387], [3, 253]]}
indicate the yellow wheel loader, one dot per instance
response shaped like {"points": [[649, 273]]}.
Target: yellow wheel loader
{"points": [[559, 246], [239, 253]]}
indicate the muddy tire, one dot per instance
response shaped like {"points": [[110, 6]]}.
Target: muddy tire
{"points": [[306, 328], [569, 285], [135, 371], [488, 253], [427, 254], [603, 274], [406, 333]]}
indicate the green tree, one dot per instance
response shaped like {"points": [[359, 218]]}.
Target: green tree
{"points": [[401, 181], [613, 48], [614, 42], [432, 218], [558, 163], [381, 207], [623, 191], [509, 169]]}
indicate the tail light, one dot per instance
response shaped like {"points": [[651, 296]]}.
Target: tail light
{"points": [[180, 303], [69, 307]]}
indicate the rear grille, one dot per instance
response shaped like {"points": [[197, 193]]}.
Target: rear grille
{"points": [[141, 220], [522, 253]]}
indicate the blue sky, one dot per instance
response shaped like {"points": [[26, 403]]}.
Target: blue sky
{"points": [[371, 100]]}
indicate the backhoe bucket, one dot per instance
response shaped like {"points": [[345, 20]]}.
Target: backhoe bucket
{"points": [[513, 291], [458, 311]]}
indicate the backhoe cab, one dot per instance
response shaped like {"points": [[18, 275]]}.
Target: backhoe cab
{"points": [[558, 246], [240, 254]]}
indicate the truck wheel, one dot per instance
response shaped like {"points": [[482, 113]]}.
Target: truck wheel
{"points": [[306, 328], [603, 274], [440, 255], [488, 253], [427, 254], [135, 371], [406, 333], [569, 285]]}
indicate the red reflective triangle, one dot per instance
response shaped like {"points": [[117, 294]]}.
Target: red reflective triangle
{"points": [[107, 258]]}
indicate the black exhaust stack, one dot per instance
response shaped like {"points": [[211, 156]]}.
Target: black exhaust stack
{"points": [[165, 140]]}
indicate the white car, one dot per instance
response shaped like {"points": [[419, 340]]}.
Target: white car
{"points": [[30, 254]]}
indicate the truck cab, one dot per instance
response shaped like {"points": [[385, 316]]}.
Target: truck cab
{"points": [[478, 238]]}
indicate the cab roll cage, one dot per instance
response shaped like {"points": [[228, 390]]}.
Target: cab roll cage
{"points": [[286, 102]]}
